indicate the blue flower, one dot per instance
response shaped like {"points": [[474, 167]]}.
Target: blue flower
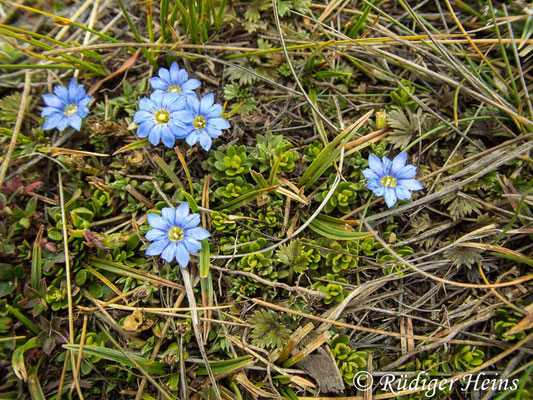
{"points": [[391, 179], [174, 80], [66, 107], [160, 117], [204, 121], [175, 234]]}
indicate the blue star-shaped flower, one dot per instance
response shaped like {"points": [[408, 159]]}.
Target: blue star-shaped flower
{"points": [[175, 234], [160, 117], [391, 179], [68, 106], [174, 80], [204, 121]]}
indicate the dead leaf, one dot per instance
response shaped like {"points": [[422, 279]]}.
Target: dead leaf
{"points": [[133, 321], [123, 68], [525, 324]]}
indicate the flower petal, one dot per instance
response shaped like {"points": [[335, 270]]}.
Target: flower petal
{"points": [[147, 105], [62, 93], [194, 104], [170, 252], [174, 71], [190, 85], [158, 84], [370, 174], [157, 248], [191, 221], [53, 121], [185, 116], [198, 233], [72, 89], [155, 235], [191, 245], [168, 214], [215, 111], [379, 191], [375, 165], [167, 137], [211, 131], [181, 213], [172, 100], [390, 197], [386, 165], [63, 123], [205, 141], [50, 112], [411, 184], [154, 136], [219, 123], [206, 103], [178, 129], [75, 121], [398, 163], [192, 138], [165, 75], [157, 222], [407, 172], [142, 116], [144, 128], [402, 193], [182, 255], [52, 100]]}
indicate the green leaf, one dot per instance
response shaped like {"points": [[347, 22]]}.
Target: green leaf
{"points": [[34, 385], [22, 318], [167, 170], [17, 359], [124, 270], [192, 203], [204, 259], [36, 261], [152, 367], [245, 198], [334, 228], [31, 206], [226, 367], [330, 153]]}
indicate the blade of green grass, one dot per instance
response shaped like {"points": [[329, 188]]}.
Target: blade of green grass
{"points": [[135, 32]]}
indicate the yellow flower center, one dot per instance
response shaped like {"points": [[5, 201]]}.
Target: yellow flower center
{"points": [[174, 88], [71, 109], [199, 122], [175, 234], [388, 181], [161, 116]]}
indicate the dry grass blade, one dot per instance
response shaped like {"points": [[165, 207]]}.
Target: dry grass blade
{"points": [[196, 327], [69, 285], [18, 125]]}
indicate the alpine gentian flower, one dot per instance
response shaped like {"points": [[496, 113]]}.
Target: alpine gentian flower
{"points": [[391, 179], [160, 117], [175, 234], [68, 106], [174, 80], [204, 121]]}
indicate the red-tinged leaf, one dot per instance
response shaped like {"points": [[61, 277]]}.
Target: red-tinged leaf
{"points": [[123, 68]]}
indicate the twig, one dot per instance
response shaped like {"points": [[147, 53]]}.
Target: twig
{"points": [[18, 125], [196, 327], [279, 285]]}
